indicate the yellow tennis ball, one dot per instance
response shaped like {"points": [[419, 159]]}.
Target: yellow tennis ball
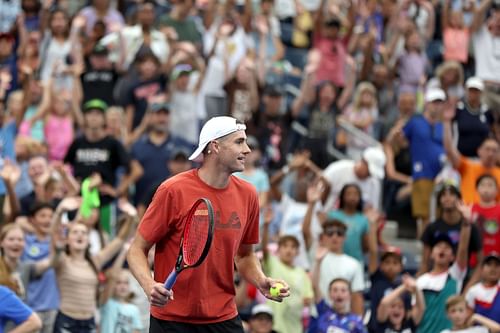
{"points": [[275, 291]]}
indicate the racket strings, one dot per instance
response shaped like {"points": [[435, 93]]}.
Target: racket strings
{"points": [[196, 235]]}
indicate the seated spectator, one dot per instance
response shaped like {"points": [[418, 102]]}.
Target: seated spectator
{"points": [[287, 316], [456, 311], [332, 257], [470, 170], [445, 278], [350, 212], [366, 173], [393, 315], [261, 320], [484, 297], [13, 309], [473, 120], [449, 224], [338, 316]]}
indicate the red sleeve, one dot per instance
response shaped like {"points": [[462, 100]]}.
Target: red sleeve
{"points": [[251, 235], [156, 221]]}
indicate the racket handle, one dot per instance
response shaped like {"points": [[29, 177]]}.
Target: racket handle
{"points": [[169, 283]]}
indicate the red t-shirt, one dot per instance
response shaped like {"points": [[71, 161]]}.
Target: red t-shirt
{"points": [[488, 222], [204, 294], [332, 65]]}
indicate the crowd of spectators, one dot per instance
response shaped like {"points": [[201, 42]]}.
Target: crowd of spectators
{"points": [[357, 112]]}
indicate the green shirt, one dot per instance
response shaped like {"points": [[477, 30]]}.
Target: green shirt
{"points": [[186, 29]]}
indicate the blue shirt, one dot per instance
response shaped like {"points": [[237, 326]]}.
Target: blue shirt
{"points": [[259, 179], [330, 321], [426, 147], [12, 308], [7, 138], [120, 317], [154, 160], [43, 292], [357, 227]]}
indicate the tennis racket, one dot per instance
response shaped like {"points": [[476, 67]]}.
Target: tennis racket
{"points": [[196, 239]]}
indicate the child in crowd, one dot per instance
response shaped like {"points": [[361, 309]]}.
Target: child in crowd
{"points": [[392, 314], [456, 311], [287, 315], [484, 297], [118, 314], [446, 276]]}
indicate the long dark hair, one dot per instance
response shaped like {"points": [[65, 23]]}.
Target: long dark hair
{"points": [[87, 255], [359, 207]]}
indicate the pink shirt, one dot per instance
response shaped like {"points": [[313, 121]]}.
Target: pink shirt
{"points": [[333, 59], [456, 44], [59, 134]]}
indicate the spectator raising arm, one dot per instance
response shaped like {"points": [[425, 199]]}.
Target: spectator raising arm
{"points": [[451, 150], [479, 15]]}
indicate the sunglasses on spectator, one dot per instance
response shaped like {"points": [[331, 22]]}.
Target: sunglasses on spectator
{"points": [[334, 231]]}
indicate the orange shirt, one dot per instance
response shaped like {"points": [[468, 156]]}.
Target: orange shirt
{"points": [[470, 171], [204, 294]]}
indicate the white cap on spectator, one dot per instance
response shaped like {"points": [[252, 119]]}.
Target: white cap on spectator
{"points": [[215, 128], [375, 158], [474, 83], [262, 308], [434, 94]]}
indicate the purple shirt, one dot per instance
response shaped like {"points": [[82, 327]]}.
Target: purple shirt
{"points": [[411, 69], [112, 17]]}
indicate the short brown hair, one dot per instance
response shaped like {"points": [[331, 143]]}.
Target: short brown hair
{"points": [[454, 300], [334, 223], [288, 238]]}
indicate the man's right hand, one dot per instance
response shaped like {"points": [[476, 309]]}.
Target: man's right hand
{"points": [[158, 295]]}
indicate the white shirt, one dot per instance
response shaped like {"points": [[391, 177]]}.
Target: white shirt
{"points": [[335, 266], [436, 282], [487, 54], [184, 118], [480, 293], [341, 173]]}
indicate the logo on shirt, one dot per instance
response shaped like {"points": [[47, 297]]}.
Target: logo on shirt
{"points": [[490, 227], [232, 223]]}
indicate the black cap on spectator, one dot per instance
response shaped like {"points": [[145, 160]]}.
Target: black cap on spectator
{"points": [[273, 90], [442, 238], [333, 23], [391, 251], [95, 104], [493, 256], [100, 49]]}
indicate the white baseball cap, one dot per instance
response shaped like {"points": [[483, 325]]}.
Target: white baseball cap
{"points": [[375, 158], [215, 128], [435, 94], [262, 308], [474, 83]]}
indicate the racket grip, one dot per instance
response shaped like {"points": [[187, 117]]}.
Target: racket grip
{"points": [[169, 283]]}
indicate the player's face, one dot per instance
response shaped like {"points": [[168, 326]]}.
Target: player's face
{"points": [[78, 237], [13, 244], [233, 151], [397, 311], [458, 314]]}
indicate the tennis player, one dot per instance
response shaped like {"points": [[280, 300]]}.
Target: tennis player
{"points": [[202, 300]]}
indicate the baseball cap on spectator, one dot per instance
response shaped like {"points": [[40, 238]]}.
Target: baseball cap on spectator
{"points": [[391, 251], [215, 128], [435, 94], [333, 23], [262, 309], [493, 256], [99, 50], [155, 107], [375, 158], [95, 104], [447, 186], [273, 90], [182, 69], [442, 237], [474, 83]]}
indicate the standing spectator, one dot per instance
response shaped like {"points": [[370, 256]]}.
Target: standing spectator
{"points": [[445, 278], [486, 32], [449, 224], [469, 169], [287, 316], [101, 10], [9, 12], [484, 297], [352, 272], [411, 65], [13, 309], [473, 120], [425, 135], [455, 34], [148, 83], [96, 152], [392, 314], [155, 148], [184, 25], [366, 173], [456, 311]]}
